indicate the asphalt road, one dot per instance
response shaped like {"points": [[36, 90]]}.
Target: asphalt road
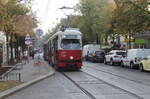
{"points": [[94, 81]]}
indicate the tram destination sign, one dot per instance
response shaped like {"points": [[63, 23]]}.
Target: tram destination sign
{"points": [[71, 36]]}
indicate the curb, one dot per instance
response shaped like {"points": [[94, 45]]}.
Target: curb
{"points": [[24, 85]]}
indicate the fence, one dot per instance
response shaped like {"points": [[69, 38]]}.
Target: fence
{"points": [[13, 74], [11, 77]]}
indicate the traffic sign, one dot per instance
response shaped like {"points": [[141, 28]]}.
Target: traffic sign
{"points": [[39, 32]]}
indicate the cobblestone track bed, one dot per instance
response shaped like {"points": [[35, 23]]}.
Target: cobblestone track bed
{"points": [[80, 87], [129, 93], [139, 82], [109, 84]]}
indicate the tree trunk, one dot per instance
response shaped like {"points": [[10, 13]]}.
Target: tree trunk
{"points": [[106, 39], [16, 49], [97, 39], [11, 48], [7, 40]]}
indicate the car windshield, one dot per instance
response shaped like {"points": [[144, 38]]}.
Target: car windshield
{"points": [[99, 53], [121, 53], [70, 44]]}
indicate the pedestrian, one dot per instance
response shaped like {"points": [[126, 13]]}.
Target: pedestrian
{"points": [[32, 54], [37, 60], [25, 55]]}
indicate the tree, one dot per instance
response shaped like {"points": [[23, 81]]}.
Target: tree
{"points": [[132, 16], [13, 13], [95, 19], [25, 25]]}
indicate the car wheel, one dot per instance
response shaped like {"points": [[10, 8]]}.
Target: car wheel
{"points": [[105, 61], [131, 65], [122, 64], [111, 62], [141, 67]]}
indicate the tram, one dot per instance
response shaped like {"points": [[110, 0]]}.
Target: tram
{"points": [[64, 49]]}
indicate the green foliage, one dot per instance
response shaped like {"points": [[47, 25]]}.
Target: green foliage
{"points": [[105, 19], [95, 18], [132, 16], [13, 12]]}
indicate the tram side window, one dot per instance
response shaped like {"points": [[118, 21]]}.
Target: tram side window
{"points": [[70, 44]]}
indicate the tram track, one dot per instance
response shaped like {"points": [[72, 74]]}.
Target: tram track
{"points": [[80, 87], [138, 82], [100, 80], [116, 87]]}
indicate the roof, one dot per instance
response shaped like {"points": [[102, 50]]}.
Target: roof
{"points": [[67, 31], [138, 49], [117, 51]]}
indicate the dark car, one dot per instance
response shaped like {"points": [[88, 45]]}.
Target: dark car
{"points": [[97, 56]]}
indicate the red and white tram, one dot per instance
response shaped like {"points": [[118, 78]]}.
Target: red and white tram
{"points": [[65, 49]]}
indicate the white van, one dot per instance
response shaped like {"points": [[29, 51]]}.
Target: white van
{"points": [[89, 48], [134, 56]]}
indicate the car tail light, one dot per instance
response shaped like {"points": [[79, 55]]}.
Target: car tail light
{"points": [[116, 56], [94, 54]]}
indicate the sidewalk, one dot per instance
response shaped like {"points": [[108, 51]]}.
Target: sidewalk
{"points": [[30, 72], [29, 75]]}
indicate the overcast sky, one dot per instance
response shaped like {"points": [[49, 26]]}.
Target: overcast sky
{"points": [[48, 11]]}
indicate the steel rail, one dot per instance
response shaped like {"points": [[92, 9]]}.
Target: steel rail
{"points": [[128, 92], [81, 88], [139, 82]]}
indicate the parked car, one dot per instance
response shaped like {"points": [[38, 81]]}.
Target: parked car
{"points": [[89, 49], [133, 57], [114, 56], [97, 56], [145, 64]]}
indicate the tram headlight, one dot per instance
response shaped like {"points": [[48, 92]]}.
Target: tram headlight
{"points": [[71, 57]]}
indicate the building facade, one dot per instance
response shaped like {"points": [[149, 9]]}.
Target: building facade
{"points": [[142, 39]]}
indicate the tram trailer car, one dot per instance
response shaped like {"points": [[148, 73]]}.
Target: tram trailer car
{"points": [[65, 49]]}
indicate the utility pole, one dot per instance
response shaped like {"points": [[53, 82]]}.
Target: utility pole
{"points": [[68, 16]]}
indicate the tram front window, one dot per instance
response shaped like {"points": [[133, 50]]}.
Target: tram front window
{"points": [[70, 44]]}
